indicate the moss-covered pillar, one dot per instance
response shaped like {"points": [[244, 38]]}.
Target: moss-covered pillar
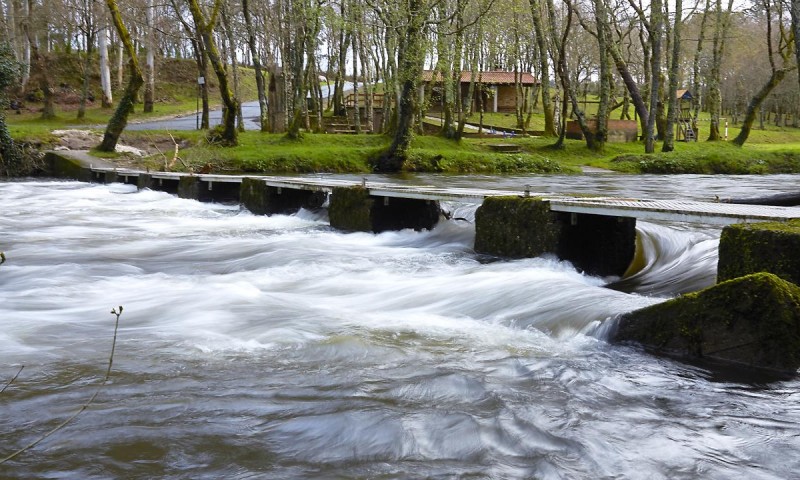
{"points": [[189, 187], [110, 176], [259, 198], [354, 209], [520, 227], [760, 247], [753, 320], [61, 166], [145, 180]]}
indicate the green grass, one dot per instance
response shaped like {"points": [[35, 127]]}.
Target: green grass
{"points": [[772, 150]]}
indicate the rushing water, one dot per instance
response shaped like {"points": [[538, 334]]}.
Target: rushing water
{"points": [[277, 347]]}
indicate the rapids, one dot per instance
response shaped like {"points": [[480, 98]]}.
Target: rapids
{"points": [[277, 347]]}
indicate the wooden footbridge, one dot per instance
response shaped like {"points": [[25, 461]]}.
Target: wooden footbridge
{"points": [[710, 213], [596, 233]]}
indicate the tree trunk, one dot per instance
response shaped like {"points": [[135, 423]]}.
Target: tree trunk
{"points": [[795, 12], [227, 134], [672, 113], [150, 63], [119, 120], [756, 102], [40, 69], [656, 22], [234, 62], [411, 58], [601, 131], [722, 21], [260, 84], [105, 70], [544, 63]]}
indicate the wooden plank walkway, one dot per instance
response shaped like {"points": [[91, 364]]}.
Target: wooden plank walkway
{"points": [[644, 209]]}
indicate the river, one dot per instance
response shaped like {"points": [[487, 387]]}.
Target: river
{"points": [[276, 347]]}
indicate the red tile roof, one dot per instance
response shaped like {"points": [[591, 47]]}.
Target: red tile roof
{"points": [[494, 77]]}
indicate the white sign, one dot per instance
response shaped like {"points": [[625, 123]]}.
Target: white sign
{"points": [[201, 80]]}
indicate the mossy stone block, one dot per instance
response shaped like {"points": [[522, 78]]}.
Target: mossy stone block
{"points": [[189, 187], [144, 180], [760, 247], [350, 209], [253, 195], [752, 320], [61, 166], [516, 227]]}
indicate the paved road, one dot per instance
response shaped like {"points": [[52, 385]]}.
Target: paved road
{"points": [[189, 122], [250, 113]]}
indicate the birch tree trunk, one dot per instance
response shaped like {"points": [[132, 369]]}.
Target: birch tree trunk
{"points": [[105, 70], [150, 62]]}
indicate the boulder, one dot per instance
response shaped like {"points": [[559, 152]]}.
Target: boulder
{"points": [[752, 320]]}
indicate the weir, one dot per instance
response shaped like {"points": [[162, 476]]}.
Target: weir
{"points": [[597, 234]]}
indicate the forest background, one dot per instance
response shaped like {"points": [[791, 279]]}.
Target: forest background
{"points": [[597, 60]]}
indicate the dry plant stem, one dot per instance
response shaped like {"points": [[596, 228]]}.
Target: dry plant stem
{"points": [[85, 405], [12, 380]]}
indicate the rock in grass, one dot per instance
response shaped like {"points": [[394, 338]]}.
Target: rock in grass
{"points": [[753, 320], [760, 247]]}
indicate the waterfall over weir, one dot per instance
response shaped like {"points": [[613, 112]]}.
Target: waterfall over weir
{"points": [[277, 347]]}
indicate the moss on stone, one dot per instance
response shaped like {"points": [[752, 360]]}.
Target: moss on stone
{"points": [[752, 320], [145, 180], [516, 227], [760, 247], [64, 167], [189, 187], [350, 209], [253, 195], [520, 227]]}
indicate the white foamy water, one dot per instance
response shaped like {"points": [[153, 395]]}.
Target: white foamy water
{"points": [[277, 347]]}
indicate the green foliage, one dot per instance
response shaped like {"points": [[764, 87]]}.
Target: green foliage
{"points": [[721, 159]]}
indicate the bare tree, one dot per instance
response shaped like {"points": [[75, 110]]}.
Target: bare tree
{"points": [[227, 134], [784, 51]]}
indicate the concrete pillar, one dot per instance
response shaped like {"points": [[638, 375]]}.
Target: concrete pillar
{"points": [[145, 180], [64, 167], [496, 91], [259, 198], [354, 209], [110, 177], [521, 227], [189, 187]]}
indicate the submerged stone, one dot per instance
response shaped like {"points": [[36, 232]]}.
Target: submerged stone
{"points": [[760, 247], [753, 320]]}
